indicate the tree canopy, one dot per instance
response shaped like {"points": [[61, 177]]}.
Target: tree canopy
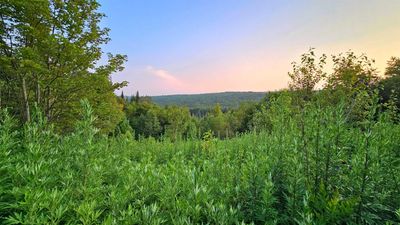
{"points": [[49, 55]]}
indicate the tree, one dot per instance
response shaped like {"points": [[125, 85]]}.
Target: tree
{"points": [[217, 122], [352, 73], [353, 81], [240, 118], [390, 85], [308, 73], [144, 119], [393, 67], [123, 128], [49, 53], [178, 122], [20, 30], [137, 97], [217, 110]]}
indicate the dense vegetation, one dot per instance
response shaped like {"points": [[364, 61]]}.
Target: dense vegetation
{"points": [[145, 118], [49, 56], [309, 167], [72, 152], [227, 100]]}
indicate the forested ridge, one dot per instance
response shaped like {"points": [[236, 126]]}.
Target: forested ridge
{"points": [[325, 150], [227, 100]]}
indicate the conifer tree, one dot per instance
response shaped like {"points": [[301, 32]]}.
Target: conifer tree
{"points": [[137, 97]]}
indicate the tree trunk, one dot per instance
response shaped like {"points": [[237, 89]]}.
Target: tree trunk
{"points": [[26, 102], [47, 103], [38, 93]]}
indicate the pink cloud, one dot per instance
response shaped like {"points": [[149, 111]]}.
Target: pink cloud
{"points": [[163, 74], [164, 81]]}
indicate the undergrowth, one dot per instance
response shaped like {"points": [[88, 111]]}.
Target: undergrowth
{"points": [[311, 167]]}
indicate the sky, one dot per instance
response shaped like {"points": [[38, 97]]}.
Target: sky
{"points": [[200, 46]]}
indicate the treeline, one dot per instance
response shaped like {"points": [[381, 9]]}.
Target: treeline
{"points": [[354, 80], [227, 100], [147, 119], [50, 58], [315, 164]]}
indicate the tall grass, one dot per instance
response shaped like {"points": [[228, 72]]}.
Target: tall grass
{"points": [[312, 167]]}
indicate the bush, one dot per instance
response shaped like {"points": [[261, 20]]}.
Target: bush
{"points": [[311, 167]]}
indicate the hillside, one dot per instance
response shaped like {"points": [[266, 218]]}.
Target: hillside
{"points": [[225, 99]]}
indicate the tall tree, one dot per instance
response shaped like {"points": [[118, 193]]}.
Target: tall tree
{"points": [[49, 54], [22, 25], [137, 97]]}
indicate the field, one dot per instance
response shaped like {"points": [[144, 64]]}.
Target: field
{"points": [[308, 168]]}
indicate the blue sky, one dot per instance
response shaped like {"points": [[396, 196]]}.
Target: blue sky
{"points": [[179, 46]]}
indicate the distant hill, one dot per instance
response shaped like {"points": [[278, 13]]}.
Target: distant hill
{"points": [[227, 100]]}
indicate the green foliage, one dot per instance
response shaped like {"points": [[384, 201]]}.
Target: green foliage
{"points": [[240, 119], [179, 123], [217, 122], [393, 67], [49, 56], [227, 100], [308, 73], [311, 167], [311, 157], [8, 142], [144, 119], [352, 72], [123, 128], [390, 85], [148, 119]]}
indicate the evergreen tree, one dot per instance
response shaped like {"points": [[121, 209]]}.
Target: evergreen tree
{"points": [[137, 97]]}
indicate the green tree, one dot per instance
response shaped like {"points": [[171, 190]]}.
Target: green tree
{"points": [[137, 97], [144, 119], [217, 122], [178, 122], [307, 74], [390, 85], [352, 73], [49, 54], [240, 118], [393, 67], [217, 111]]}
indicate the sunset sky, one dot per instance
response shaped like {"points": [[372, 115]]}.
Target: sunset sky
{"points": [[199, 46]]}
